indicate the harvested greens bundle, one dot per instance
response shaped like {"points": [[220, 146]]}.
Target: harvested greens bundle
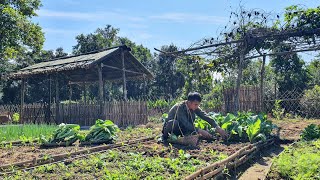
{"points": [[102, 131], [65, 134]]}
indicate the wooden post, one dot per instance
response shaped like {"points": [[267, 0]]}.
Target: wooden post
{"points": [[237, 92], [104, 92], [145, 86], [48, 110], [84, 92], [261, 83], [23, 81], [70, 92], [124, 77], [100, 90], [57, 100]]}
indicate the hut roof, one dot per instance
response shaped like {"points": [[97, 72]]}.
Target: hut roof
{"points": [[82, 68]]}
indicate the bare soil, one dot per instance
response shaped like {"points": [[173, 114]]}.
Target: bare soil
{"points": [[208, 151]]}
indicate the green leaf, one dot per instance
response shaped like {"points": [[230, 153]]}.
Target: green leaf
{"points": [[253, 129], [226, 125]]}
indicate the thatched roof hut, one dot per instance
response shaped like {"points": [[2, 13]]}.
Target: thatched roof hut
{"points": [[83, 67], [111, 64]]}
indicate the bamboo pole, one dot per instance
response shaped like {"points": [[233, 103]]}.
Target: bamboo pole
{"points": [[261, 83], [237, 93], [124, 76], [243, 151], [23, 81]]}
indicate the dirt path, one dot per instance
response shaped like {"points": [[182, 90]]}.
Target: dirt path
{"points": [[260, 165]]}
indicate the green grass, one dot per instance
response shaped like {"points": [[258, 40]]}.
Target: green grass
{"points": [[300, 161], [25, 131]]}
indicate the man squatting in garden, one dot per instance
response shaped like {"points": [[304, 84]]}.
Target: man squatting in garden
{"points": [[181, 119]]}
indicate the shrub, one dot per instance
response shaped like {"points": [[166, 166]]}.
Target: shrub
{"points": [[310, 101], [278, 112]]}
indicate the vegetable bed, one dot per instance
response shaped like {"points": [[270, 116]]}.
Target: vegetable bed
{"points": [[300, 161]]}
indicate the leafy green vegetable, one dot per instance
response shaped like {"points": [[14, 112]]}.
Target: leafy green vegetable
{"points": [[102, 131], [253, 129], [66, 133]]}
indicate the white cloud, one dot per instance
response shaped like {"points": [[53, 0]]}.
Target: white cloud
{"points": [[92, 16], [60, 31], [121, 15], [188, 17], [138, 25]]}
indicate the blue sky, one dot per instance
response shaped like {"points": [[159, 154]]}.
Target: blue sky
{"points": [[152, 23]]}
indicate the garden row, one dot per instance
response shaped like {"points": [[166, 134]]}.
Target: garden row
{"points": [[301, 160]]}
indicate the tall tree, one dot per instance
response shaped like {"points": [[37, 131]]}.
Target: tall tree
{"points": [[108, 37], [37, 87], [139, 88], [168, 81], [314, 70], [100, 39], [196, 74], [18, 33], [290, 70]]}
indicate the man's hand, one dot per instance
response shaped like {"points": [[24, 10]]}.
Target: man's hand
{"points": [[222, 132]]}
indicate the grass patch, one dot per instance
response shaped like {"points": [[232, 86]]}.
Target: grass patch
{"points": [[300, 161], [17, 132]]}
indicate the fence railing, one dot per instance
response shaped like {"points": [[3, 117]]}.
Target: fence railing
{"points": [[134, 112]]}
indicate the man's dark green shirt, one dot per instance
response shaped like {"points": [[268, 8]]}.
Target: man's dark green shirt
{"points": [[186, 117]]}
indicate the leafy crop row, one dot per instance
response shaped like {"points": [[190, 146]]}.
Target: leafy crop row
{"points": [[241, 127]]}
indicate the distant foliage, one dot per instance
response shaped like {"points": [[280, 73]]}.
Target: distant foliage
{"points": [[278, 111], [311, 132]]}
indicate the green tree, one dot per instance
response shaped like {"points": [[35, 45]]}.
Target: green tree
{"points": [[139, 88], [168, 81], [18, 34], [100, 39], [314, 70], [38, 88], [290, 70], [196, 74], [108, 37]]}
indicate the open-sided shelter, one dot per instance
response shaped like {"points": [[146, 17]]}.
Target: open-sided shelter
{"points": [[115, 63]]}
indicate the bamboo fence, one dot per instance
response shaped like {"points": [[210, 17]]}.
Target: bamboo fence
{"points": [[122, 113], [250, 99]]}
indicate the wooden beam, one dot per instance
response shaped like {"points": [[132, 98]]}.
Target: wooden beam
{"points": [[284, 52], [202, 47], [112, 67]]}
